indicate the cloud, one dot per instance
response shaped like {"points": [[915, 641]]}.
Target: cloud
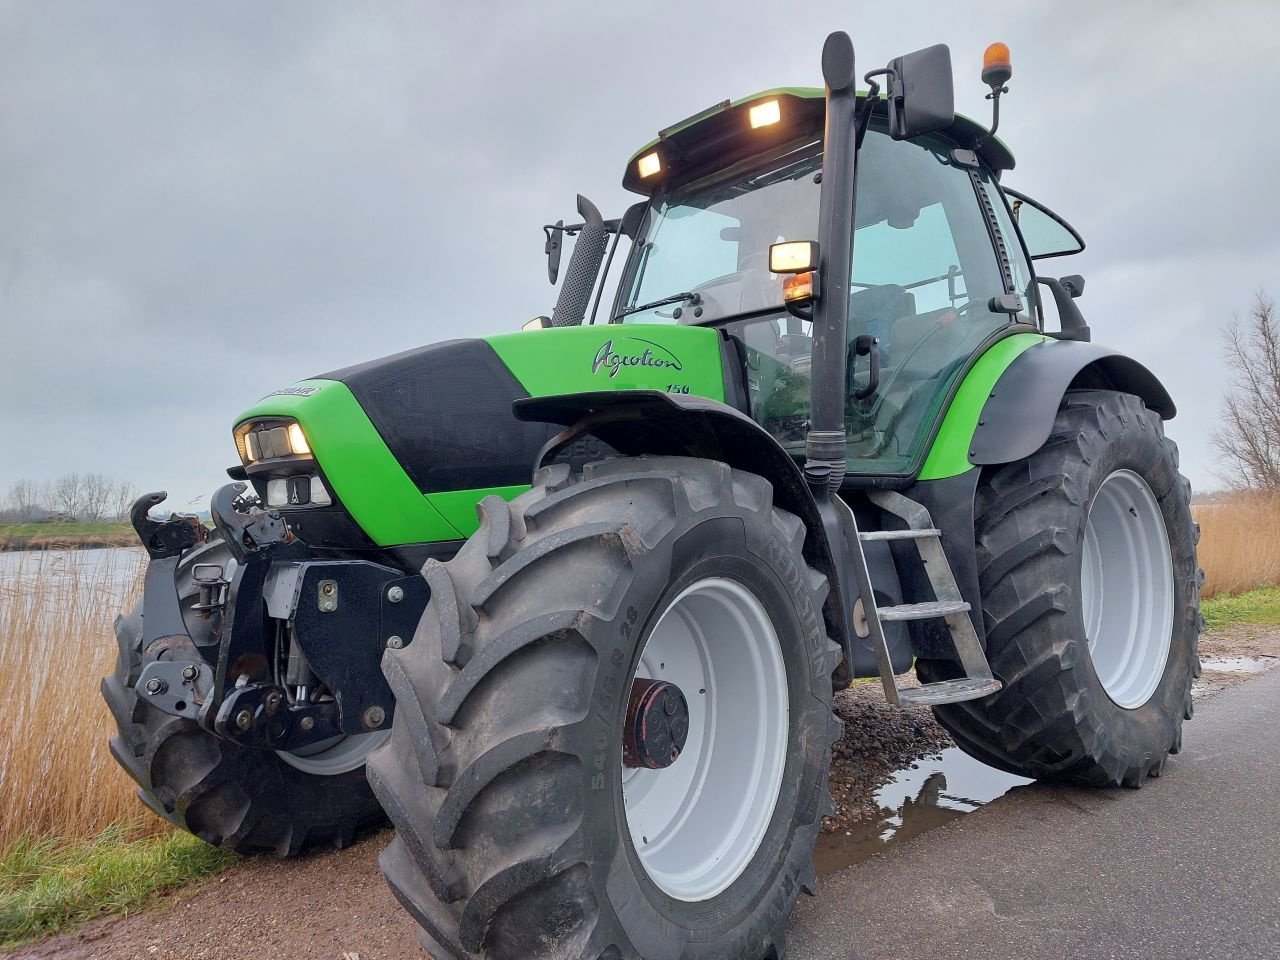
{"points": [[201, 203]]}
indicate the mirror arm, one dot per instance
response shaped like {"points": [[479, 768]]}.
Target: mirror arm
{"points": [[1069, 315], [869, 102]]}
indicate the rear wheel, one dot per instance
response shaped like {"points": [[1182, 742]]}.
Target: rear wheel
{"points": [[1090, 593], [248, 800], [612, 728]]}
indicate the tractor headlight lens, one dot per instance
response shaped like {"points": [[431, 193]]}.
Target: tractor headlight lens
{"points": [[765, 114], [298, 440], [648, 165], [271, 440]]}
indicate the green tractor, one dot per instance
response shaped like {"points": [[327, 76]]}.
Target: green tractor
{"points": [[568, 605]]}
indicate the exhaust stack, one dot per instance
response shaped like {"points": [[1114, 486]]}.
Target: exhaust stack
{"points": [[584, 267]]}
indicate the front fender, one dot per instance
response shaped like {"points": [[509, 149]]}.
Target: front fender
{"points": [[637, 422]]}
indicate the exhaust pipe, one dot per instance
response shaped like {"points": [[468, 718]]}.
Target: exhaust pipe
{"points": [[584, 267]]}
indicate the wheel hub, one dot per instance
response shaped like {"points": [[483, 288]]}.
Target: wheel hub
{"points": [[657, 724]]}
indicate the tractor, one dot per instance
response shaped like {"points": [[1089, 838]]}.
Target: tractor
{"points": [[569, 604]]}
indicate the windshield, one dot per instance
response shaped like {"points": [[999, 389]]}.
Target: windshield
{"points": [[713, 241]]}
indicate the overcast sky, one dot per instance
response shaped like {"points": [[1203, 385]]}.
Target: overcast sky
{"points": [[203, 202]]}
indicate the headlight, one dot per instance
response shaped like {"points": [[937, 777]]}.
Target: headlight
{"points": [[270, 440]]}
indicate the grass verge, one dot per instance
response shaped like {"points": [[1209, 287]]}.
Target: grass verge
{"points": [[1256, 606], [53, 536], [69, 529], [47, 885]]}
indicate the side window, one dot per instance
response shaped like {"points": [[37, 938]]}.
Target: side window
{"points": [[924, 273]]}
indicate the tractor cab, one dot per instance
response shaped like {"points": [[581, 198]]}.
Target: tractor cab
{"points": [[940, 271], [941, 274]]}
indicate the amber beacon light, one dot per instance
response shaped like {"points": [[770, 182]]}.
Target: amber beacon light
{"points": [[997, 68]]}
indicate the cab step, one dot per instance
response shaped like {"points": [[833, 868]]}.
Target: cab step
{"points": [[899, 534], [923, 611], [978, 680], [948, 691]]}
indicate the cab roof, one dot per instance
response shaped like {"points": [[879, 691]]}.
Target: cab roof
{"points": [[695, 142]]}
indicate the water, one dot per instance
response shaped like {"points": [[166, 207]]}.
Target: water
{"points": [[1238, 664], [108, 575], [918, 799]]}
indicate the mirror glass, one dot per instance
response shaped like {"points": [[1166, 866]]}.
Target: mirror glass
{"points": [[921, 97], [1045, 233]]}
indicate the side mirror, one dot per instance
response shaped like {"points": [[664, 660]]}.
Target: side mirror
{"points": [[554, 244], [921, 93], [1073, 283]]}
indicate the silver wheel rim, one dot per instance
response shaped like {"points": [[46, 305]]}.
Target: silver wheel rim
{"points": [[1127, 591], [328, 758], [698, 823]]}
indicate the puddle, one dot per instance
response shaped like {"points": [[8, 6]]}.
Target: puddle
{"points": [[1238, 664], [938, 790]]}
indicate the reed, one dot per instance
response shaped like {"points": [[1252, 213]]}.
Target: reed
{"points": [[1239, 543], [57, 777]]}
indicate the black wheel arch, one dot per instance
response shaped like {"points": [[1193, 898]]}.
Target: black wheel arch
{"points": [[654, 423], [1018, 417]]}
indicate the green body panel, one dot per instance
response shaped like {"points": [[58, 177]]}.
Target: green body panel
{"points": [[949, 455], [459, 506], [628, 356], [365, 475], [390, 508]]}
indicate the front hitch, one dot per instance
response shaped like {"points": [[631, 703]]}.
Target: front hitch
{"points": [[245, 530], [165, 538]]}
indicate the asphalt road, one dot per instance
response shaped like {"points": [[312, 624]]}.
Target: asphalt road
{"points": [[1187, 867]]}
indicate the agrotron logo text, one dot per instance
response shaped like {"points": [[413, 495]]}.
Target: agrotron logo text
{"points": [[633, 352]]}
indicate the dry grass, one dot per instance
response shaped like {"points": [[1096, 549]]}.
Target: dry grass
{"points": [[57, 777], [1239, 543]]}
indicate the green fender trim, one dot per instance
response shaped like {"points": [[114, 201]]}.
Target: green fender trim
{"points": [[949, 455], [459, 506], [368, 480]]}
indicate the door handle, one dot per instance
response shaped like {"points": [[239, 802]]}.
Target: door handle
{"points": [[868, 346]]}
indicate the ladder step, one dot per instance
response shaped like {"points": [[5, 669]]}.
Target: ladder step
{"points": [[923, 611], [900, 534], [949, 691]]}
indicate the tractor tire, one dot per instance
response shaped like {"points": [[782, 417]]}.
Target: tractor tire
{"points": [[1091, 601], [247, 800], [520, 835]]}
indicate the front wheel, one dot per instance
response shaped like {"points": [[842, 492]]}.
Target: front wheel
{"points": [[612, 728], [1090, 592]]}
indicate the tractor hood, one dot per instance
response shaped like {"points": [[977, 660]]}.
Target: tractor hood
{"points": [[409, 443]]}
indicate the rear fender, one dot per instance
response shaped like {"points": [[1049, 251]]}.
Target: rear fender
{"points": [[636, 422], [1018, 416]]}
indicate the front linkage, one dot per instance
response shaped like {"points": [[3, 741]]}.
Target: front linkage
{"points": [[292, 656]]}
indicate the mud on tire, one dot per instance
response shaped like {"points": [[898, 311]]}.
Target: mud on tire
{"points": [[249, 801], [503, 771], [1053, 719]]}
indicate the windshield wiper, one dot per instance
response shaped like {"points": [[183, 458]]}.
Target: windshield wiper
{"points": [[665, 301]]}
